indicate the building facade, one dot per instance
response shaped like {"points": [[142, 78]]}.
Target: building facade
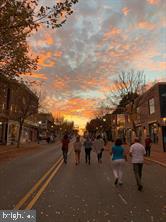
{"points": [[46, 125], [150, 117], [17, 101]]}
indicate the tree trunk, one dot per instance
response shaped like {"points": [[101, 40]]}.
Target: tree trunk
{"points": [[19, 134]]}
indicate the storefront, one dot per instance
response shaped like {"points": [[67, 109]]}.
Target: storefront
{"points": [[154, 132], [3, 130], [29, 133], [139, 132], [13, 129], [164, 137]]}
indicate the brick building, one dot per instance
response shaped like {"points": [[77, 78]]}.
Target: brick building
{"points": [[15, 100], [150, 117]]}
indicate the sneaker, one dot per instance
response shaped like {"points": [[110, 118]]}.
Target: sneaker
{"points": [[116, 181], [120, 183]]}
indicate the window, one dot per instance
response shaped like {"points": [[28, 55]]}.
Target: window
{"points": [[139, 132], [138, 114], [153, 131], [151, 106]]}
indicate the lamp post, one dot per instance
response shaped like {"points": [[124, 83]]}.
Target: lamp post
{"points": [[39, 131]]}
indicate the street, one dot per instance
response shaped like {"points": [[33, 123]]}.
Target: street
{"points": [[83, 193]]}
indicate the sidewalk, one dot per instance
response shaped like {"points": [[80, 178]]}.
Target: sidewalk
{"points": [[157, 156], [11, 151], [10, 148]]}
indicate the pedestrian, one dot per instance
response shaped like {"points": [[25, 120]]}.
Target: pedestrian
{"points": [[98, 147], [148, 143], [48, 139], [65, 147], [137, 152], [77, 149], [88, 147], [118, 161]]}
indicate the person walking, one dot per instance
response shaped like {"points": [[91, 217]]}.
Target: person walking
{"points": [[77, 149], [88, 147], [65, 147], [118, 160], [98, 147], [148, 142], [137, 152]]}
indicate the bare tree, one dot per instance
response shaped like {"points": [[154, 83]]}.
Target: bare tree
{"points": [[125, 96], [24, 105]]}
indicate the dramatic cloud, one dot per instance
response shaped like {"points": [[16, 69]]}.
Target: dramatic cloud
{"points": [[101, 38]]}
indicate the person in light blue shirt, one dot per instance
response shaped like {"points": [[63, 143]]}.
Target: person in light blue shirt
{"points": [[118, 161]]}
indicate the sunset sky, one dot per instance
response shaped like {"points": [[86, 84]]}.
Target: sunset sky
{"points": [[103, 37]]}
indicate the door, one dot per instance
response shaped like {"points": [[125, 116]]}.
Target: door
{"points": [[1, 133], [164, 137]]}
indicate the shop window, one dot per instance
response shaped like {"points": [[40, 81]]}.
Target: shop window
{"points": [[138, 114], [153, 131], [151, 106], [139, 132], [11, 108]]}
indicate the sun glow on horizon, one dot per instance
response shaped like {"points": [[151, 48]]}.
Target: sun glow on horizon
{"points": [[78, 121]]}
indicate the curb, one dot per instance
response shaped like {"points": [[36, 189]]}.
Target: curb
{"points": [[155, 161]]}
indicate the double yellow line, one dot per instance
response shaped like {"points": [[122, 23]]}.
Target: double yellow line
{"points": [[28, 201]]}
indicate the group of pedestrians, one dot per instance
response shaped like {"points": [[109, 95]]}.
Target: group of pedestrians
{"points": [[118, 154], [97, 145]]}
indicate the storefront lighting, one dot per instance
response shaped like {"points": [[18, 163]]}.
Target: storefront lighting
{"points": [[164, 120]]}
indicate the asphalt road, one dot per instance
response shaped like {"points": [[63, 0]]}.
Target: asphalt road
{"points": [[19, 175], [85, 193]]}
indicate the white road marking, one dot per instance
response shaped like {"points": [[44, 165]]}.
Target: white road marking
{"points": [[122, 198]]}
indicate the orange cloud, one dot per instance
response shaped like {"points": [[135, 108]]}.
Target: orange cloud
{"points": [[49, 40], [58, 54], [146, 25], [153, 2], [114, 31], [36, 75], [156, 66], [45, 59], [76, 106], [125, 11], [59, 84]]}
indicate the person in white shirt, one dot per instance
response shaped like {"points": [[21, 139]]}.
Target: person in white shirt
{"points": [[137, 152], [77, 149], [98, 147]]}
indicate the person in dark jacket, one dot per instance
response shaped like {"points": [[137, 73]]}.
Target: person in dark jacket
{"points": [[65, 147], [88, 147], [148, 143]]}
